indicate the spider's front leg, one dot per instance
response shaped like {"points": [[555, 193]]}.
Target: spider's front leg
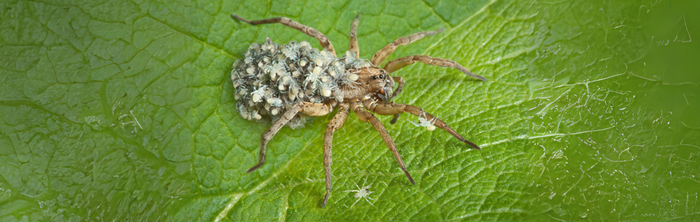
{"points": [[337, 122], [311, 109], [392, 108], [399, 63], [366, 116], [381, 55]]}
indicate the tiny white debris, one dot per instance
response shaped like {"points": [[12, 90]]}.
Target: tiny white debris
{"points": [[137, 120], [353, 77]]}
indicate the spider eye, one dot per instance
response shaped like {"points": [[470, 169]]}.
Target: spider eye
{"points": [[381, 76], [374, 77]]}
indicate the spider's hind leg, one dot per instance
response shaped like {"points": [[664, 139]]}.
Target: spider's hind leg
{"points": [[267, 136]]}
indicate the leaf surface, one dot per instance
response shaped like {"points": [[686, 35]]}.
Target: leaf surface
{"points": [[123, 110]]}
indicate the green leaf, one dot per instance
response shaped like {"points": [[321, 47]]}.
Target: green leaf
{"points": [[123, 110]]}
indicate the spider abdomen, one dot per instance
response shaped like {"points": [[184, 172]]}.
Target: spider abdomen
{"points": [[272, 77]]}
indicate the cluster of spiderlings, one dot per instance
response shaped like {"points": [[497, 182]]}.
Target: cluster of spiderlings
{"points": [[272, 78]]}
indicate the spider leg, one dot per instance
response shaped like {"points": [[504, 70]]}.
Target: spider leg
{"points": [[392, 108], [311, 109], [337, 122], [399, 63], [396, 93], [327, 45], [370, 203], [415, 124], [381, 55], [366, 116], [354, 47], [353, 204]]}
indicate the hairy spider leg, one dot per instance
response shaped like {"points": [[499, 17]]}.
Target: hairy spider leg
{"points": [[366, 116], [311, 109], [399, 63], [354, 46], [396, 93], [391, 108], [325, 42], [337, 122], [381, 55]]}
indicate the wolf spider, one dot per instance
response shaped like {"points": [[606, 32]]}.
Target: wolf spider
{"points": [[372, 94]]}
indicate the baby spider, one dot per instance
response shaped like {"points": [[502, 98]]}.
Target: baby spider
{"points": [[315, 83], [362, 193], [423, 121]]}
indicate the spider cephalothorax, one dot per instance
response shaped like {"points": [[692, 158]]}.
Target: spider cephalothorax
{"points": [[286, 84]]}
